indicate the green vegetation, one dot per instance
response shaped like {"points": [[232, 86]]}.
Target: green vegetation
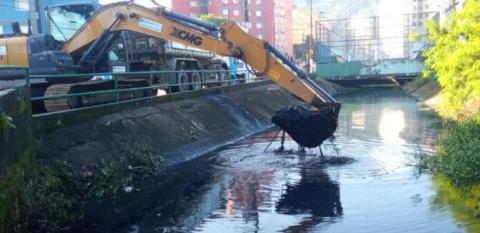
{"points": [[6, 122], [12, 183], [414, 36], [455, 58], [49, 195], [458, 156], [218, 20]]}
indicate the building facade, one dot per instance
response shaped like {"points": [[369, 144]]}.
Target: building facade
{"points": [[14, 11], [270, 20], [302, 23], [25, 11], [414, 30]]}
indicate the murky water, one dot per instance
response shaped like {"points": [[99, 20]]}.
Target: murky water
{"points": [[368, 184]]}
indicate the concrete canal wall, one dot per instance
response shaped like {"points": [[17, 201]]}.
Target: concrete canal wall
{"points": [[176, 131], [16, 149]]}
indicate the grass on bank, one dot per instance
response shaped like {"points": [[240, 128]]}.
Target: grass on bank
{"points": [[454, 58], [53, 194], [458, 153]]}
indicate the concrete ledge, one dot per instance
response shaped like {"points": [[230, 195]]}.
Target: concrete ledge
{"points": [[47, 122]]}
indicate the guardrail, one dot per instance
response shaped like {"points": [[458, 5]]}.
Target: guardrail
{"points": [[16, 71], [133, 85]]}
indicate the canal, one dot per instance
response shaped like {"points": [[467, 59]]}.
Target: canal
{"points": [[367, 182]]}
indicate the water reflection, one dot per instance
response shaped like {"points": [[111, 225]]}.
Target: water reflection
{"points": [[315, 194], [247, 190], [464, 203], [358, 120], [392, 123], [388, 115]]}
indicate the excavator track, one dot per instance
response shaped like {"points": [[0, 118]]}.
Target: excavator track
{"points": [[60, 104]]}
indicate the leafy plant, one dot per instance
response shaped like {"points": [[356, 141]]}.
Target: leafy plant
{"points": [[458, 157], [6, 122], [218, 20], [455, 58], [414, 36]]}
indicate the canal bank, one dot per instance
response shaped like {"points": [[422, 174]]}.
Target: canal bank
{"points": [[99, 158], [455, 164]]}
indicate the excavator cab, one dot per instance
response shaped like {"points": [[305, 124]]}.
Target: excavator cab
{"points": [[62, 21]]}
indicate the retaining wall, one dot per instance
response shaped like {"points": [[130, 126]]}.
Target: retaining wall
{"points": [[177, 131], [16, 150]]}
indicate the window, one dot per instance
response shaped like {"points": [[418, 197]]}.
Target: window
{"points": [[258, 13], [193, 4], [236, 12], [66, 20], [258, 2], [225, 11], [22, 5], [259, 25], [24, 28]]}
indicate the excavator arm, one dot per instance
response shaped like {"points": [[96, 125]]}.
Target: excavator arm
{"points": [[227, 40]]}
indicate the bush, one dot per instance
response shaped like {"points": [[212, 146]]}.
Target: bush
{"points": [[455, 58], [458, 155]]}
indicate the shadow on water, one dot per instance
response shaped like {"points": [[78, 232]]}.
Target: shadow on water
{"points": [[314, 194]]}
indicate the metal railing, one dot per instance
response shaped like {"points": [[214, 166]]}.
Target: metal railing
{"points": [[14, 71], [119, 87]]}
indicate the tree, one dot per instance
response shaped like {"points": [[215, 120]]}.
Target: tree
{"points": [[218, 20], [455, 58]]}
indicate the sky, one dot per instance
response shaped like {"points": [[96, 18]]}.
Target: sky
{"points": [[390, 13], [148, 3]]}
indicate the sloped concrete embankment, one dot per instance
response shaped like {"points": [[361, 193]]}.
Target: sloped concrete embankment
{"points": [[428, 93], [177, 131]]}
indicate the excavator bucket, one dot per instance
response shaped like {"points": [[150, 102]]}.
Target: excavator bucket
{"points": [[309, 128]]}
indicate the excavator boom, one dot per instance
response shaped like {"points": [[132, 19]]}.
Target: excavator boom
{"points": [[226, 40]]}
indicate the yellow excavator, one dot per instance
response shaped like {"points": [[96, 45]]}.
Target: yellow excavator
{"points": [[44, 55]]}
